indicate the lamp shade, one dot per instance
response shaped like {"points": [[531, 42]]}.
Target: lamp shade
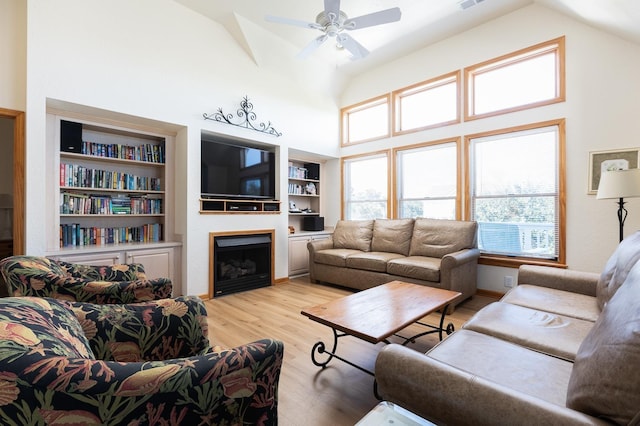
{"points": [[619, 184]]}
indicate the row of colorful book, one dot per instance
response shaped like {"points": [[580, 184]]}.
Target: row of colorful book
{"points": [[74, 235], [151, 153], [75, 203], [74, 175]]}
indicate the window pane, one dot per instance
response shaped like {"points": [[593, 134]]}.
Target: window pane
{"points": [[428, 107], [366, 187], [516, 164], [368, 123], [515, 193], [427, 181], [521, 83], [434, 209]]}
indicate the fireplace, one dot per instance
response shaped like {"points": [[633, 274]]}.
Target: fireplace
{"points": [[240, 261]]}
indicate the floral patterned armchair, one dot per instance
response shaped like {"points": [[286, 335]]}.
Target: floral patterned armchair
{"points": [[44, 277], [148, 363]]}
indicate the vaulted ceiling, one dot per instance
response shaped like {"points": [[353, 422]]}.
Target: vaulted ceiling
{"points": [[422, 23]]}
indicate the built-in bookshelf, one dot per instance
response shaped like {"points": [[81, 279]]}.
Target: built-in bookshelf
{"points": [[304, 188], [111, 186]]}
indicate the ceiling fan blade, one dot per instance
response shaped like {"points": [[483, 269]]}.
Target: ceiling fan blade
{"points": [[357, 50], [289, 21], [311, 47], [375, 18], [332, 7]]}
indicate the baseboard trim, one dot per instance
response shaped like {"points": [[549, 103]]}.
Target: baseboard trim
{"points": [[489, 293]]}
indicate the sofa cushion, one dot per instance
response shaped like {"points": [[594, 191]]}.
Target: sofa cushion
{"points": [[353, 234], [552, 300], [371, 261], [438, 237], [617, 268], [605, 380], [546, 332], [392, 235], [507, 364], [418, 267], [335, 257]]}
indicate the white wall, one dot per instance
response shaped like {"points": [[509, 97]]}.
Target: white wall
{"points": [[600, 110], [158, 60], [12, 54]]}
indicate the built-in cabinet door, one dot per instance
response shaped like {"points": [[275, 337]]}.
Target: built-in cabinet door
{"points": [[299, 254], [158, 263]]}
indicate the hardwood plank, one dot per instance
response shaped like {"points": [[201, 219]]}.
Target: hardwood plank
{"points": [[336, 395]]}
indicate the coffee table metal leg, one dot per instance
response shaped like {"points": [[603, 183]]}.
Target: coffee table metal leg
{"points": [[450, 328], [320, 348]]}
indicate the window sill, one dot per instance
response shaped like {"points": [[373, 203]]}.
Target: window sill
{"points": [[515, 262]]}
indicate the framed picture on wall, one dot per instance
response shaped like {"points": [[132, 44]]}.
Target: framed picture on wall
{"points": [[600, 161]]}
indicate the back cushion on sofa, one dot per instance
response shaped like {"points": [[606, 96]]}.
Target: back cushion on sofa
{"points": [[617, 268], [392, 235], [353, 234], [437, 237], [605, 381]]}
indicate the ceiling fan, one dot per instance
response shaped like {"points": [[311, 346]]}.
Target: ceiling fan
{"points": [[333, 22]]}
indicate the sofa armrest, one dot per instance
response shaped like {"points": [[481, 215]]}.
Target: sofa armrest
{"points": [[315, 245], [446, 395], [452, 260], [560, 279], [148, 331], [235, 386]]}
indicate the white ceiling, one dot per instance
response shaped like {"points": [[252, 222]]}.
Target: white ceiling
{"points": [[423, 22]]}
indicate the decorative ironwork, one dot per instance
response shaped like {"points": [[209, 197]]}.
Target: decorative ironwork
{"points": [[247, 118]]}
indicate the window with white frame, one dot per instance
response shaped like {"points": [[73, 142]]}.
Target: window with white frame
{"points": [[366, 121], [524, 79], [428, 104], [427, 181], [366, 186], [515, 186]]}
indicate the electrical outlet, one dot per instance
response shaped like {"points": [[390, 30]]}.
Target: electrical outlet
{"points": [[508, 281]]}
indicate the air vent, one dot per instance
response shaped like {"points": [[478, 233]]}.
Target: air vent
{"points": [[465, 4]]}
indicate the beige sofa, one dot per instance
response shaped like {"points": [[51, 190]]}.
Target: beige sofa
{"points": [[561, 348], [365, 253]]}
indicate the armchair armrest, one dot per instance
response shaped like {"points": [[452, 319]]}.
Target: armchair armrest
{"points": [[149, 331], [560, 279], [104, 292], [235, 386], [447, 395], [116, 272]]}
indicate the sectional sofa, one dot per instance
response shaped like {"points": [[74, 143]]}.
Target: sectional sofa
{"points": [[365, 253], [561, 348]]}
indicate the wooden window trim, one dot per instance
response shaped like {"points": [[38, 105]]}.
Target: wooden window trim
{"points": [[360, 106], [394, 176], [423, 86], [562, 197], [384, 152], [557, 45]]}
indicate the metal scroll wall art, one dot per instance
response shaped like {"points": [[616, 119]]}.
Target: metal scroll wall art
{"points": [[245, 118]]}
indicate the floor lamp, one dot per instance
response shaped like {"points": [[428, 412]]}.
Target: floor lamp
{"points": [[619, 184]]}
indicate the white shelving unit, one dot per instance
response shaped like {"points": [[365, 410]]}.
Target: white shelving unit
{"points": [[113, 196]]}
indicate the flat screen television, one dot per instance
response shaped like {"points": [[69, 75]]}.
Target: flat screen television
{"points": [[232, 169]]}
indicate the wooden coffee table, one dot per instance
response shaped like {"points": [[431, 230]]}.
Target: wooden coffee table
{"points": [[377, 313]]}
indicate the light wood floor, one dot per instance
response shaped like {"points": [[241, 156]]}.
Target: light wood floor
{"points": [[337, 395]]}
